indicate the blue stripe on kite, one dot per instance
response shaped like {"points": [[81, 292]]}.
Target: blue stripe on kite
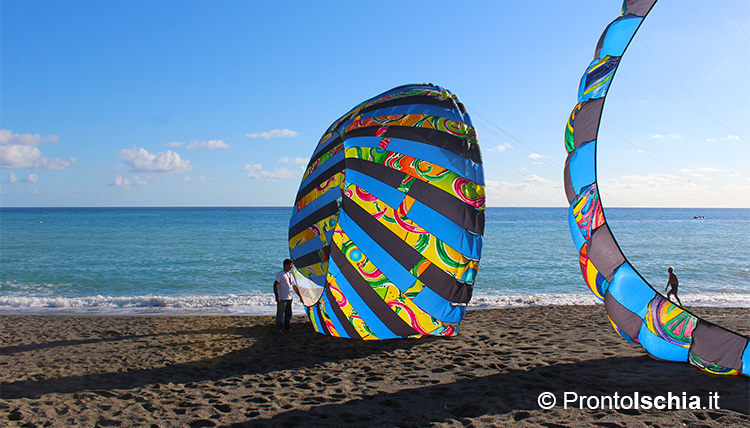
{"points": [[388, 266], [365, 313], [334, 319], [630, 290], [322, 168], [746, 360], [659, 347], [619, 34], [308, 247], [392, 197], [455, 236], [318, 323], [326, 198], [575, 231], [329, 235], [438, 307], [582, 167], [462, 166], [318, 280]]}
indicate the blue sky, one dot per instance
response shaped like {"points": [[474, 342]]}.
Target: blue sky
{"points": [[200, 103]]}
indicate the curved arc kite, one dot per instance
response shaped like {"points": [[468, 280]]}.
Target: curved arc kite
{"points": [[386, 230], [636, 310]]}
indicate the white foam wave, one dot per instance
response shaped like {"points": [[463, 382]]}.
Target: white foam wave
{"points": [[513, 301], [508, 301], [231, 304], [264, 304]]}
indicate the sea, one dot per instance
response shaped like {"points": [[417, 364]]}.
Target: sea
{"points": [[201, 260]]}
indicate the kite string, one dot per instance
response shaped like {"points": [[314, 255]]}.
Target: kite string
{"points": [[734, 15], [711, 115], [716, 26], [548, 187]]}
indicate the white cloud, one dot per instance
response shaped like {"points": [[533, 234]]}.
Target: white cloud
{"points": [[205, 145], [501, 148], [729, 137], [652, 178], [140, 181], [295, 161], [32, 178], [274, 133], [200, 178], [535, 156], [140, 160], [20, 151], [12, 177], [121, 182], [662, 136], [536, 179], [257, 172], [665, 190], [175, 144], [8, 138], [702, 169], [735, 175]]}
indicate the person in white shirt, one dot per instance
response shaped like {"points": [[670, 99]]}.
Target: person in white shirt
{"points": [[282, 288]]}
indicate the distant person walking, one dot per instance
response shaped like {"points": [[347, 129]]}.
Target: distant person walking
{"points": [[673, 283], [282, 289]]}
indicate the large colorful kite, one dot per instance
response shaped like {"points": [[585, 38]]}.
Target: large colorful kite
{"points": [[386, 231], [636, 310]]}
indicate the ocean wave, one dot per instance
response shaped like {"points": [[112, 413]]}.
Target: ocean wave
{"points": [[149, 304], [264, 304]]}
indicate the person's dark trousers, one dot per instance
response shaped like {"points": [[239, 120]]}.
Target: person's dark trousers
{"points": [[283, 313]]}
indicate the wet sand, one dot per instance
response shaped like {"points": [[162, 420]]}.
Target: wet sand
{"points": [[206, 371]]}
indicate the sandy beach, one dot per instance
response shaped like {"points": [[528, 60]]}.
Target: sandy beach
{"points": [[206, 371]]}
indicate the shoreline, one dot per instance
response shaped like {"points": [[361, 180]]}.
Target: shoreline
{"points": [[229, 370], [262, 305]]}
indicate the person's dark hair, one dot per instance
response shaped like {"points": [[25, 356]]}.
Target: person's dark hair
{"points": [[287, 262]]}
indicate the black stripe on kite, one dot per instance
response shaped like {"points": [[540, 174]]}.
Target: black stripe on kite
{"points": [[445, 285], [339, 314], [310, 259], [402, 252], [452, 208], [320, 318], [373, 300], [330, 172], [432, 137], [326, 210], [324, 150]]}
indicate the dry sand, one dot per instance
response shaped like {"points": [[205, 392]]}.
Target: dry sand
{"points": [[205, 371]]}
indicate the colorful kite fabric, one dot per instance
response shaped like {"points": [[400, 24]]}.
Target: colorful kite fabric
{"points": [[636, 310], [386, 230]]}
